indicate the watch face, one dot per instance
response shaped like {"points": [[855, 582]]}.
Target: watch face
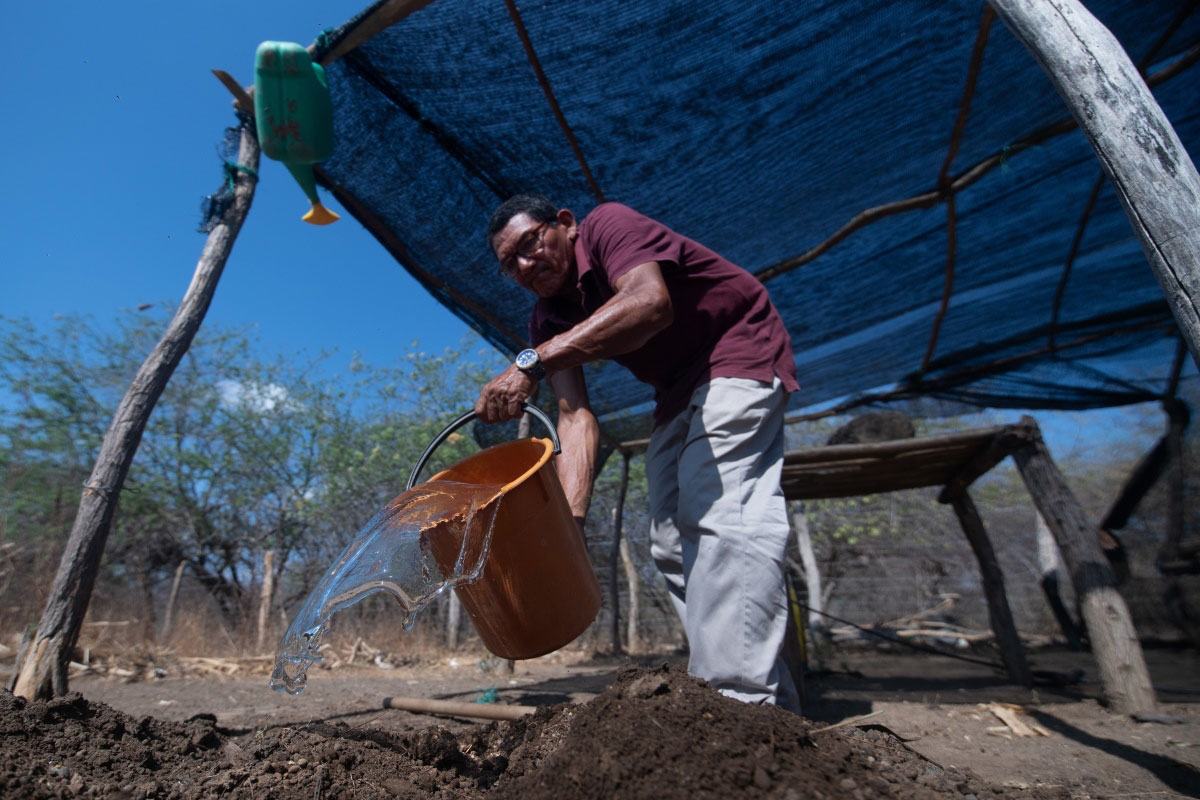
{"points": [[526, 359]]}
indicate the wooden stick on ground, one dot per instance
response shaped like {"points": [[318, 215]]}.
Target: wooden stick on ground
{"points": [[419, 705], [848, 722]]}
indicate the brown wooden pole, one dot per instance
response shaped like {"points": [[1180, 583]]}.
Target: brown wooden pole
{"points": [[633, 640], [44, 670], [172, 599], [419, 705], [453, 621], [1011, 651], [812, 571], [264, 599], [1174, 596], [614, 554], [1178, 417], [1050, 566], [1115, 645]]}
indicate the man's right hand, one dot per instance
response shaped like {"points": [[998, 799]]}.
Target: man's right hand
{"points": [[502, 398]]}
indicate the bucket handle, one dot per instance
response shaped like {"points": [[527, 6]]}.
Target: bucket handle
{"points": [[463, 420]]}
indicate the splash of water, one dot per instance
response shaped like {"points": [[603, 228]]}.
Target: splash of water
{"points": [[432, 537]]}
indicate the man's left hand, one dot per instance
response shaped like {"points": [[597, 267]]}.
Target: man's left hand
{"points": [[502, 397]]}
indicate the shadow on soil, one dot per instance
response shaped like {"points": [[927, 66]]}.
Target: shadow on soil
{"points": [[1182, 778]]}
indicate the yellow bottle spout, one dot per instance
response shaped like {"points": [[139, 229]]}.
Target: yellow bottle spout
{"points": [[320, 215]]}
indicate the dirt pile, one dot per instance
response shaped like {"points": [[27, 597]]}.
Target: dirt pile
{"points": [[655, 733]]}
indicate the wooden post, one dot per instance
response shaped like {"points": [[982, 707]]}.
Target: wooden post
{"points": [[999, 613], [1153, 176], [1174, 597], [264, 599], [1114, 641], [1178, 417], [1050, 567], [812, 573], [44, 670], [618, 520], [172, 598], [632, 638], [453, 620]]}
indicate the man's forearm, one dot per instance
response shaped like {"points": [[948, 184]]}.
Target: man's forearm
{"points": [[576, 464], [639, 310]]}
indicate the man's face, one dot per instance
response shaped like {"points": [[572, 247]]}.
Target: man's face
{"points": [[540, 256]]}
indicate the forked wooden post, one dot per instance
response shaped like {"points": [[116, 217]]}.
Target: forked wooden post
{"points": [[1114, 641], [812, 572], [264, 599], [43, 672], [999, 613], [633, 641], [1146, 163], [618, 522], [172, 599], [1051, 568]]}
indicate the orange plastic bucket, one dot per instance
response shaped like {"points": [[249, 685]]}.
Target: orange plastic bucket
{"points": [[536, 592]]}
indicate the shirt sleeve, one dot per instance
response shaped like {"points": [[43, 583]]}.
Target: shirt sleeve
{"points": [[621, 239]]}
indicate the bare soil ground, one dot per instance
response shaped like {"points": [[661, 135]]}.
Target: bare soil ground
{"points": [[650, 733]]}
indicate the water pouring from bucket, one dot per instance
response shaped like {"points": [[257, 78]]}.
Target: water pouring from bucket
{"points": [[496, 527]]}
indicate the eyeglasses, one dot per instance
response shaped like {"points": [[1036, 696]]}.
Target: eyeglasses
{"points": [[529, 244]]}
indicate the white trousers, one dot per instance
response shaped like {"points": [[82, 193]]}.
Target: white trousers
{"points": [[719, 531]]}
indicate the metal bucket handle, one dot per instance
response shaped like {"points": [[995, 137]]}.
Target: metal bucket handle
{"points": [[463, 420]]}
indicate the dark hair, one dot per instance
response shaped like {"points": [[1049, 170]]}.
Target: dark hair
{"points": [[538, 208]]}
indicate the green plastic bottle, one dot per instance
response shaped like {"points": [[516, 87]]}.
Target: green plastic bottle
{"points": [[294, 116]]}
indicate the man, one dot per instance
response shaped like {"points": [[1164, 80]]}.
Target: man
{"points": [[703, 332]]}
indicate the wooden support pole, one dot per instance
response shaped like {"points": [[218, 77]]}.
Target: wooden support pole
{"points": [[1050, 567], [633, 641], [1141, 480], [1174, 596], [383, 16], [999, 613], [812, 573], [1178, 417], [1110, 630], [172, 599], [264, 599], [1001, 445], [618, 521], [44, 670], [1146, 163], [453, 620]]}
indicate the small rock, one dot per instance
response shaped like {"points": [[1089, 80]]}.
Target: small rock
{"points": [[879, 785], [761, 779], [77, 783], [847, 784], [647, 686]]}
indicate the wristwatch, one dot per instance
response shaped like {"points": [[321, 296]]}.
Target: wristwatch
{"points": [[528, 362]]}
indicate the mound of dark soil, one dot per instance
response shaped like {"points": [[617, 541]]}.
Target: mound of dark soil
{"points": [[654, 734]]}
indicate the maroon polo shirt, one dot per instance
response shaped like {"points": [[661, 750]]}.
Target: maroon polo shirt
{"points": [[724, 323]]}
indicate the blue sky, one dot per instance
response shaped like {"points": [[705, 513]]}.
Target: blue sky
{"points": [[112, 122], [111, 128]]}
